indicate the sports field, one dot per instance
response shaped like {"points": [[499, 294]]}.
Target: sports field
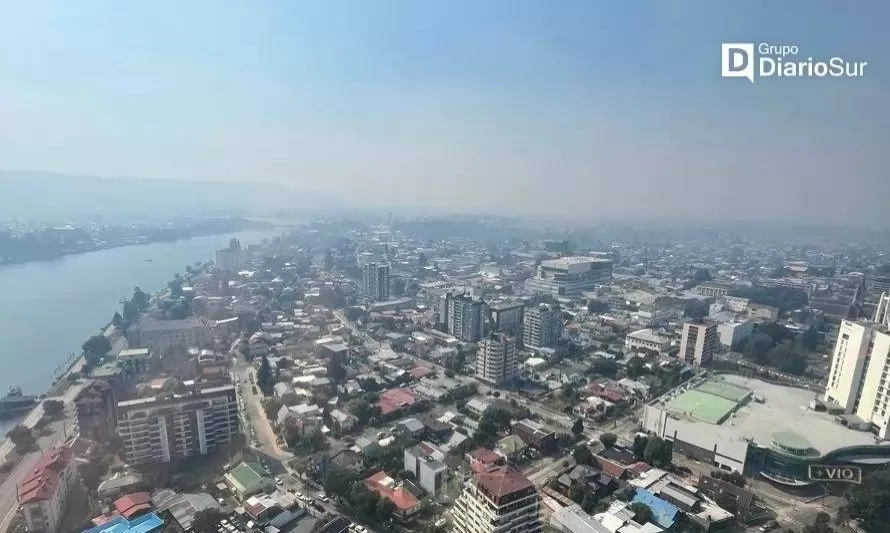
{"points": [[711, 401]]}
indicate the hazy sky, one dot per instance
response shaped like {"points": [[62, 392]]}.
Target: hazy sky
{"points": [[584, 108]]}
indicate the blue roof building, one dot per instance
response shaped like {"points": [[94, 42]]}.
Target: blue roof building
{"points": [[663, 513], [143, 524]]}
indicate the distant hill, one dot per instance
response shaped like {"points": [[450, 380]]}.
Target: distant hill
{"points": [[49, 196]]}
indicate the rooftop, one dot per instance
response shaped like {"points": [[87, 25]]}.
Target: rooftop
{"points": [[385, 486], [43, 480], [503, 480], [784, 413], [710, 401], [133, 504], [564, 262], [143, 524]]}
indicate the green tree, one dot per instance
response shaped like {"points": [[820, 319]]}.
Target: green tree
{"points": [[589, 502], [577, 491], [596, 307], [264, 378], [95, 348], [639, 446], [608, 439], [582, 455], [821, 524], [578, 427], [117, 320], [271, 406], [175, 286], [22, 438], [642, 512], [140, 299], [384, 510], [870, 501], [54, 408], [653, 452], [206, 520]]}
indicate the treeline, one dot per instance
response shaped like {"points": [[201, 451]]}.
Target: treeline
{"points": [[777, 346]]}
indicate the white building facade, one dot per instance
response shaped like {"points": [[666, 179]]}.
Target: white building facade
{"points": [[858, 380], [497, 500], [497, 359], [160, 430], [43, 494]]}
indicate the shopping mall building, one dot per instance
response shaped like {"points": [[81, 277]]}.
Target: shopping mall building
{"points": [[761, 429]]}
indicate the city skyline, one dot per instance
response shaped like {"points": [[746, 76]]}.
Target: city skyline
{"points": [[509, 108]]}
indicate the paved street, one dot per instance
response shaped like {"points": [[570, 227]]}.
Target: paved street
{"points": [[253, 416], [60, 430]]}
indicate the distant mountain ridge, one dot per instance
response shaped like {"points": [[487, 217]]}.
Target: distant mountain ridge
{"points": [[52, 196]]}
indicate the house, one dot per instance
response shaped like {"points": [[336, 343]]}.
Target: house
{"points": [[43, 492], [535, 435], [133, 505], [393, 400], [593, 479], [410, 428], [478, 407], [343, 419], [434, 429], [298, 412], [247, 479], [664, 514], [512, 447], [482, 459], [406, 504], [146, 523]]}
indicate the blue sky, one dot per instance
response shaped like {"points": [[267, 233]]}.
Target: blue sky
{"points": [[582, 108]]}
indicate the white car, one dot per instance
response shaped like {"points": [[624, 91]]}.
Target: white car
{"points": [[278, 481]]}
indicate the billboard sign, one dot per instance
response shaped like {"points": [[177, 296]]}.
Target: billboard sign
{"points": [[846, 474]]}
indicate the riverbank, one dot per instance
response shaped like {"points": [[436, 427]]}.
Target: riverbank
{"points": [[55, 243], [50, 308]]}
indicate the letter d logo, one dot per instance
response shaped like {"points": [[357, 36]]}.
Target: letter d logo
{"points": [[737, 60]]}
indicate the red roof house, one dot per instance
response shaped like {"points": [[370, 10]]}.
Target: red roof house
{"points": [[133, 505], [407, 505]]}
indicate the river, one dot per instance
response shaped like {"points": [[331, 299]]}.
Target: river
{"points": [[47, 309]]}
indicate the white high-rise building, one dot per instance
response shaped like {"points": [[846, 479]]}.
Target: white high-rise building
{"points": [[466, 317], [162, 429], [698, 342], [375, 282], [497, 500], [858, 380], [542, 326], [496, 360]]}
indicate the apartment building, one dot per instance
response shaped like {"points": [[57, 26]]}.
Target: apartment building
{"points": [[427, 464], [497, 359], [169, 427], [858, 380], [646, 339], [466, 317], [542, 326], [375, 282], [43, 493], [498, 499], [506, 316], [160, 335], [699, 341]]}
